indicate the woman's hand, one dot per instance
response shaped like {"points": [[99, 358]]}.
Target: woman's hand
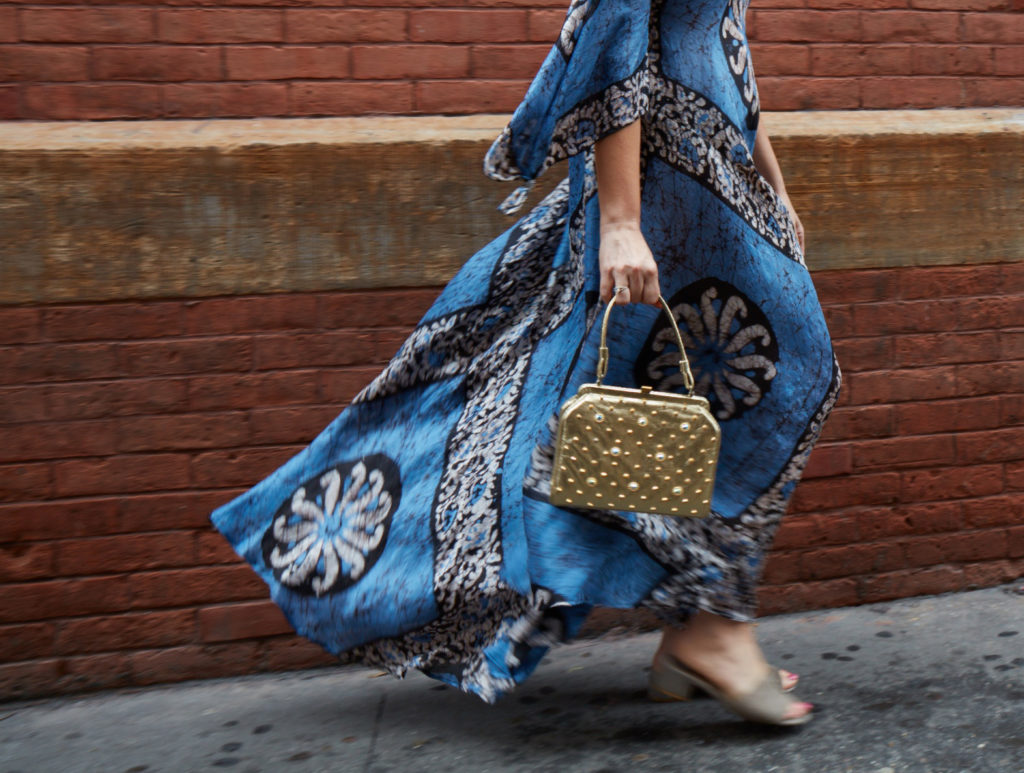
{"points": [[626, 261]]}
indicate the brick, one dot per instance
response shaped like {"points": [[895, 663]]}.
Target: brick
{"points": [[858, 354], [229, 100], [291, 652], [220, 25], [123, 397], [894, 386], [278, 63], [852, 60], [87, 25], [991, 512], [18, 325], [112, 321], [242, 621], [827, 461], [909, 27], [926, 418], [1008, 60], [994, 28], [951, 483], [20, 482], [847, 560], [1011, 345], [860, 421], [989, 574], [1011, 409], [988, 313], [888, 318], [125, 553], [290, 425], [56, 362], [989, 378], [127, 630], [543, 26], [387, 343], [903, 452], [44, 63], [507, 61], [194, 662], [26, 561], [949, 281], [121, 474], [469, 96], [952, 60], [796, 531], [57, 440], [338, 25], [468, 26], [93, 102], [182, 431], [62, 598], [394, 308], [10, 103], [9, 25], [807, 93], [241, 467], [186, 587], [858, 286], [807, 595], [1015, 541], [982, 92], [341, 386], [782, 569], [27, 680], [26, 521], [830, 493], [360, 98], [1015, 476], [792, 26], [226, 316], [912, 582], [960, 5], [26, 642], [94, 672], [903, 520], [918, 91], [839, 320], [212, 548], [157, 63], [979, 546], [220, 392], [22, 404], [990, 446], [206, 355], [290, 350], [943, 348], [395, 62], [170, 510]]}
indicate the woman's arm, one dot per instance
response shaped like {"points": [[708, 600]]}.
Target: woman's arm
{"points": [[625, 259], [768, 166]]}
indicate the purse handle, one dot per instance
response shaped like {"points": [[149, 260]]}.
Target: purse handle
{"points": [[602, 362]]}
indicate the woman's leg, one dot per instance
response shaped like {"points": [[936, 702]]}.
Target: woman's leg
{"points": [[725, 652]]}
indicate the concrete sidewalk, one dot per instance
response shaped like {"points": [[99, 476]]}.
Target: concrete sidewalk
{"points": [[932, 684]]}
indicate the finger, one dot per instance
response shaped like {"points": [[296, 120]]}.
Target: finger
{"points": [[652, 291], [638, 285], [621, 279], [606, 286]]}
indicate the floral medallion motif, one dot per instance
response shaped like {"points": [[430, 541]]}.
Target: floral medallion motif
{"points": [[333, 528], [729, 342]]}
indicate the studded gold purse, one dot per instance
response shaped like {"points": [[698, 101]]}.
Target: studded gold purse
{"points": [[619, 448]]}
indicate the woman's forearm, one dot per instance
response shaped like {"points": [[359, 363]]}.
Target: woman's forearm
{"points": [[766, 163], [617, 164]]}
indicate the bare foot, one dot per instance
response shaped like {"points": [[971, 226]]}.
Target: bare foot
{"points": [[726, 653]]}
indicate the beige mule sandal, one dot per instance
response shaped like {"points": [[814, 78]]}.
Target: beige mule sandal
{"points": [[767, 703]]}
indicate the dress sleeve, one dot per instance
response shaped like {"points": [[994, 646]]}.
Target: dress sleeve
{"points": [[593, 82]]}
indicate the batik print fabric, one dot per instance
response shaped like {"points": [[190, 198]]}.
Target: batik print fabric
{"points": [[415, 531]]}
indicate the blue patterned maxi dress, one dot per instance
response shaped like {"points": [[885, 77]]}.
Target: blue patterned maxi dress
{"points": [[415, 531]]}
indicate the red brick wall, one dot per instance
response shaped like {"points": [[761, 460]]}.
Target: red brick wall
{"points": [[202, 58], [124, 424]]}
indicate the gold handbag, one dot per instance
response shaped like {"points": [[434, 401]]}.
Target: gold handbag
{"points": [[619, 448]]}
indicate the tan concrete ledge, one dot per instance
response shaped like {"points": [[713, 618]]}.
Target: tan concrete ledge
{"points": [[113, 210]]}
